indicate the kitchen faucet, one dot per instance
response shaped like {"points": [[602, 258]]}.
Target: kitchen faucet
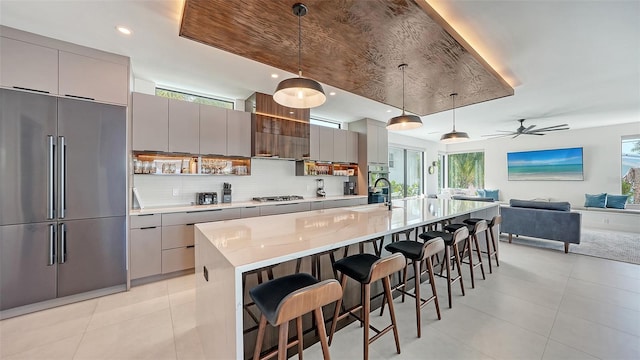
{"points": [[388, 196]]}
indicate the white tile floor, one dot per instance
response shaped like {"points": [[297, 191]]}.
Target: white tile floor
{"points": [[539, 304]]}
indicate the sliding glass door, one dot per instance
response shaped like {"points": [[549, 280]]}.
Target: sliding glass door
{"points": [[406, 172]]}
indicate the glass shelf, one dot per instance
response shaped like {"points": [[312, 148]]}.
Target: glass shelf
{"points": [[147, 163]]}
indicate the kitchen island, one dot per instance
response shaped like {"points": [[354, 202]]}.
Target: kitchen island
{"points": [[227, 249]]}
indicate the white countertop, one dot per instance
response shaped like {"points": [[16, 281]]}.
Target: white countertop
{"points": [[240, 204], [249, 244]]}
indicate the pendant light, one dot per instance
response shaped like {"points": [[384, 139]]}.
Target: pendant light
{"points": [[404, 121], [454, 136], [300, 92]]}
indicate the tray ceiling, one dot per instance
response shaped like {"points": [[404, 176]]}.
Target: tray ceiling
{"points": [[354, 45]]}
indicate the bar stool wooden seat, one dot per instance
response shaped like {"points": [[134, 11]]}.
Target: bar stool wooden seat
{"points": [[472, 242], [418, 253], [365, 269], [289, 297], [491, 224], [451, 242]]}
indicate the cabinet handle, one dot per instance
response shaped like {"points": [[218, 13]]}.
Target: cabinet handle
{"points": [[287, 204], [190, 246], [205, 211], [148, 227], [63, 244], [28, 89], [250, 207], [189, 224], [146, 215], [79, 97], [52, 245]]}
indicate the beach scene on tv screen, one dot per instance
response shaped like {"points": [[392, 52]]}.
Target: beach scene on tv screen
{"points": [[556, 164]]}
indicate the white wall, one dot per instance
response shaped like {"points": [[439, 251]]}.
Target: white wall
{"points": [[602, 151], [430, 149], [268, 177]]}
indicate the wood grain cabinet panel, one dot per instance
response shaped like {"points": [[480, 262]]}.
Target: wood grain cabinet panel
{"points": [[184, 127], [87, 77], [238, 133], [213, 130], [28, 66], [150, 122]]}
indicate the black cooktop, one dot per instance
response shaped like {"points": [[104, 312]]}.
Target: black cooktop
{"points": [[278, 198]]}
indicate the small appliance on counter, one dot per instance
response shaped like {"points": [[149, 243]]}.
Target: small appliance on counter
{"points": [[350, 188], [226, 193], [320, 192], [207, 198]]}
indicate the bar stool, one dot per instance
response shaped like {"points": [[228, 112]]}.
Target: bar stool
{"points": [[470, 243], [258, 273], [289, 297], [451, 242], [496, 220], [375, 242], [365, 269], [418, 252]]}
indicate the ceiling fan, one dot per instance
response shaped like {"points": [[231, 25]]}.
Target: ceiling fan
{"points": [[522, 130]]}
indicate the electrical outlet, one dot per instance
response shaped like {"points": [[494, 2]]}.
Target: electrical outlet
{"points": [[176, 191]]}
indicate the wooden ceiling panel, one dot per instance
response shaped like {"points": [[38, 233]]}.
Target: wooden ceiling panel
{"points": [[354, 45]]}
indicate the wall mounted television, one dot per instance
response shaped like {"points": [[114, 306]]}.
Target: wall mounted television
{"points": [[555, 164]]}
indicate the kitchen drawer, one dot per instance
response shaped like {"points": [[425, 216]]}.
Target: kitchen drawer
{"points": [[250, 211], [284, 208], [330, 204], [145, 220], [146, 252], [317, 205], [195, 217], [175, 236], [178, 259]]}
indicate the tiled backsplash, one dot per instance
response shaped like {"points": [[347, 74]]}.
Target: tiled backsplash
{"points": [[268, 177]]}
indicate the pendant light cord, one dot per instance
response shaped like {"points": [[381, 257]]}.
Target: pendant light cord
{"points": [[453, 98], [299, 45], [403, 90]]}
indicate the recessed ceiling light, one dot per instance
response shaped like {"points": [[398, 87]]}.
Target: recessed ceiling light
{"points": [[124, 30], [389, 110], [291, 112], [275, 76], [332, 93]]}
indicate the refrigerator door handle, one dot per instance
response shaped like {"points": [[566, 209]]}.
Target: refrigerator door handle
{"points": [[50, 177], [62, 249], [52, 245], [63, 177]]}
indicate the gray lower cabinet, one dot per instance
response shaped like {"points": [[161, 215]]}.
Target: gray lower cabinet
{"points": [[317, 205], [249, 211], [145, 246], [284, 208], [330, 204], [178, 259]]}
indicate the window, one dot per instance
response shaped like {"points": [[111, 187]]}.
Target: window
{"points": [[630, 175], [405, 172], [172, 94], [466, 170], [315, 121]]}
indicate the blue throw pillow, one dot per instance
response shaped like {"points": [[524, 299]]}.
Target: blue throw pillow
{"points": [[494, 194], [480, 192], [598, 200], [616, 201]]}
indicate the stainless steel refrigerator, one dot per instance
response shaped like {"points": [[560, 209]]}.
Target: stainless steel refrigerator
{"points": [[62, 197]]}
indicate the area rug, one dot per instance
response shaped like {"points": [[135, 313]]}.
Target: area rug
{"points": [[613, 245]]}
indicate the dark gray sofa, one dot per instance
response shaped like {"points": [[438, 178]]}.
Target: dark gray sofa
{"points": [[541, 219]]}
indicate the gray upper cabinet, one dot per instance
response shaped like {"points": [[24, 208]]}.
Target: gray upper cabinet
{"points": [[238, 133], [27, 66], [339, 145], [213, 130], [352, 147], [314, 142], [150, 122], [184, 127], [326, 143], [377, 145], [90, 78]]}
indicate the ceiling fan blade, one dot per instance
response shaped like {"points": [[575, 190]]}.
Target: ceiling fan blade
{"points": [[547, 130], [553, 127], [517, 135], [533, 133], [528, 129]]}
